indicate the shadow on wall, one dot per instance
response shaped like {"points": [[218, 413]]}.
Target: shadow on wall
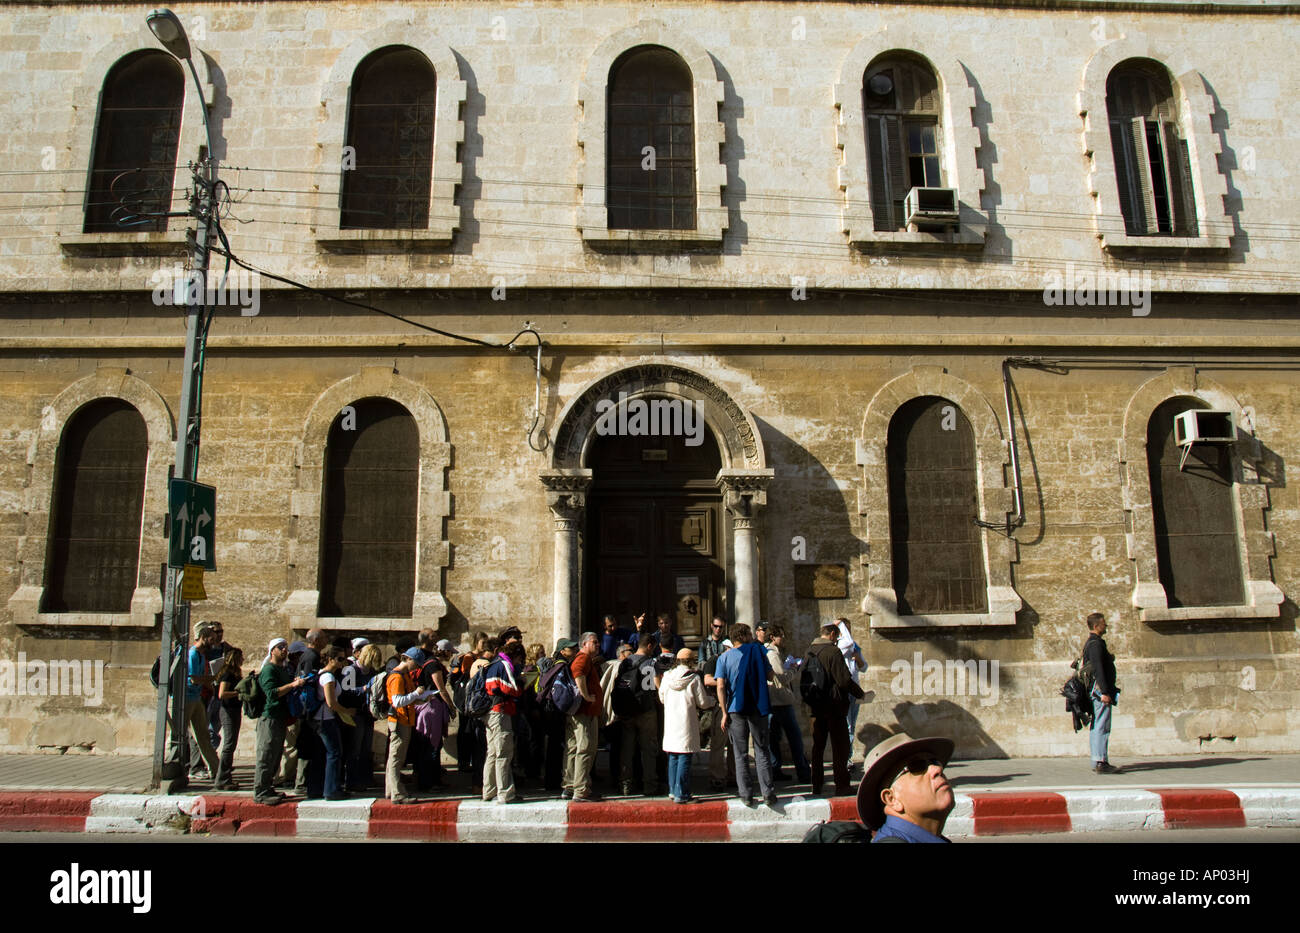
{"points": [[943, 718], [806, 523]]}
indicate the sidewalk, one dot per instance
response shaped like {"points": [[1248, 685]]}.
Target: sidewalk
{"points": [[91, 793]]}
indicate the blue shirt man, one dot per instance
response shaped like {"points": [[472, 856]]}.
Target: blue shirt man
{"points": [[612, 638]]}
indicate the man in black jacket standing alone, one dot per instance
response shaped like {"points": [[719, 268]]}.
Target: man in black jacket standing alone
{"points": [[1104, 692]]}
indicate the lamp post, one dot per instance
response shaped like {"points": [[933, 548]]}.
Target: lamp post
{"points": [[171, 775]]}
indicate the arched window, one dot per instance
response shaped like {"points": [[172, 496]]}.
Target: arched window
{"points": [[900, 95], [388, 167], [94, 547], [139, 128], [650, 105], [370, 502], [1152, 166], [938, 558], [1194, 513]]}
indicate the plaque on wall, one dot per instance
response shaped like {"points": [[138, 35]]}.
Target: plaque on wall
{"points": [[688, 586], [821, 581], [661, 455]]}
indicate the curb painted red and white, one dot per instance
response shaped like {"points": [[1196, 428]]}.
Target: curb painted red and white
{"points": [[980, 813]]}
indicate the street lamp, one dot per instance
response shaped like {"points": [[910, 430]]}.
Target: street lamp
{"points": [[175, 629]]}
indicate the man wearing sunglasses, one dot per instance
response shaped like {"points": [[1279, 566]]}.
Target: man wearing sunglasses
{"points": [[904, 796]]}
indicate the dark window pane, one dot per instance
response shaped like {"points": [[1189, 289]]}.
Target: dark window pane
{"points": [[94, 546], [369, 523], [649, 103], [139, 129], [390, 128], [1195, 515], [937, 553]]}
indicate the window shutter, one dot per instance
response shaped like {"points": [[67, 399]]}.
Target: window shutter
{"points": [[896, 158], [881, 210], [1142, 175], [1180, 181]]}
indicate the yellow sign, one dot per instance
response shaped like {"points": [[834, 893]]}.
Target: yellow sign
{"points": [[192, 582]]}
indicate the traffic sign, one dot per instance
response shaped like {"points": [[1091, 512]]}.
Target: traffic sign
{"points": [[192, 583], [193, 510]]}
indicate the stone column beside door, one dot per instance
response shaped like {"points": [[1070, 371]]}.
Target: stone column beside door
{"points": [[744, 492], [566, 496]]}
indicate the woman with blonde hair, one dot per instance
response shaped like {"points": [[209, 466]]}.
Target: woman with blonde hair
{"points": [[360, 753]]}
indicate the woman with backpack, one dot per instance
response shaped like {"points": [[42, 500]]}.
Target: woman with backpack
{"points": [[359, 769], [432, 718], [231, 716], [683, 695], [323, 772]]}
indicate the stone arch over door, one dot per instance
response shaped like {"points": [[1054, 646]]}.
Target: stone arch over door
{"points": [[743, 479]]}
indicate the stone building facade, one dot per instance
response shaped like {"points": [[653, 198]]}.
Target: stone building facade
{"points": [[953, 428]]}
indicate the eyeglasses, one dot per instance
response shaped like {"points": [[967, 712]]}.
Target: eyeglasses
{"points": [[916, 765]]}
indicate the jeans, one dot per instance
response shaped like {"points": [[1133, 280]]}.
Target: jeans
{"points": [[782, 720], [323, 770], [832, 723], [498, 768], [230, 721], [361, 756], [270, 749], [679, 775], [853, 725], [739, 728], [1099, 737]]}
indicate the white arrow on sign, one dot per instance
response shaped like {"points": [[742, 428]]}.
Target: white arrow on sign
{"points": [[183, 516], [203, 519]]}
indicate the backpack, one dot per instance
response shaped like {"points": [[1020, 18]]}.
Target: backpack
{"points": [[156, 671], [250, 692], [631, 698], [557, 691], [303, 702], [815, 683], [478, 702], [377, 690], [1083, 672], [838, 831]]}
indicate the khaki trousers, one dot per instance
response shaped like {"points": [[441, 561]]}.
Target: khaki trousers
{"points": [[581, 733], [196, 714], [498, 766], [399, 737]]}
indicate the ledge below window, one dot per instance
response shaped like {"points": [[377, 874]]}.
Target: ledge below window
{"points": [[1122, 243], [1265, 603], [882, 606], [146, 605], [650, 241], [95, 245], [302, 605], [960, 240], [397, 240]]}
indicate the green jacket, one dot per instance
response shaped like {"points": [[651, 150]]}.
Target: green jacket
{"points": [[271, 678]]}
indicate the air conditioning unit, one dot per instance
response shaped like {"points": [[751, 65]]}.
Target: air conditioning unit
{"points": [[932, 207], [1204, 427]]}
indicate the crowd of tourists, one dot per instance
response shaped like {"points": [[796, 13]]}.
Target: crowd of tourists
{"points": [[523, 718]]}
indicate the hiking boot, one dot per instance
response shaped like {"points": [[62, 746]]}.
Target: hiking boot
{"points": [[403, 800], [590, 797], [1105, 767], [227, 785], [338, 795], [268, 801], [748, 802], [770, 800]]}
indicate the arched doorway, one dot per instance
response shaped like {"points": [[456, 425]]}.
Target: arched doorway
{"points": [[684, 510], [654, 536]]}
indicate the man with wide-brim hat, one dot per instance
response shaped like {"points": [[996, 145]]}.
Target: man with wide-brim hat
{"points": [[904, 796]]}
